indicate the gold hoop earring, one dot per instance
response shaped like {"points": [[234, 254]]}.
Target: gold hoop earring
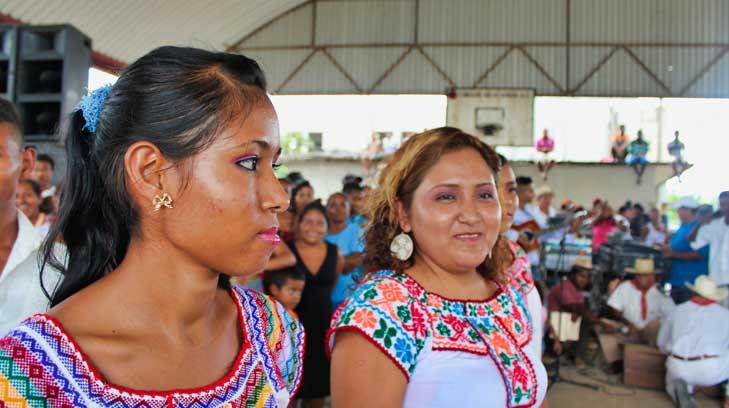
{"points": [[164, 201]]}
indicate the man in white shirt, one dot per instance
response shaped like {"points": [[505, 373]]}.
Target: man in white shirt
{"points": [[695, 337], [638, 304], [716, 234], [20, 288], [525, 224], [544, 210]]}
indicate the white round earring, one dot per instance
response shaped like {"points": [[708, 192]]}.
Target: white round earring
{"points": [[401, 246]]}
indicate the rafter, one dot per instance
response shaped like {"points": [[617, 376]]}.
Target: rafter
{"points": [[493, 66], [703, 71]]}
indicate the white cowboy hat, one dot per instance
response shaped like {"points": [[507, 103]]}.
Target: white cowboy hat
{"points": [[643, 267], [542, 190], [686, 202], [705, 287]]}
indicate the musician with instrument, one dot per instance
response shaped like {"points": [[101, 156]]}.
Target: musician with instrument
{"points": [[568, 296], [525, 225]]}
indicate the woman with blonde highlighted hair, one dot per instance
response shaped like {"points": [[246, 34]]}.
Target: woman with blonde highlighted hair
{"points": [[439, 322]]}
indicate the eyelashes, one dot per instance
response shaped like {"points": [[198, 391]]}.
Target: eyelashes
{"points": [[250, 163], [447, 197]]}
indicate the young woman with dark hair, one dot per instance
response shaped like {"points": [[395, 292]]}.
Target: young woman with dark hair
{"points": [[170, 189], [322, 264]]}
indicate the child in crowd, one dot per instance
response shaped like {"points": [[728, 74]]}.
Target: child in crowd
{"points": [[286, 286]]}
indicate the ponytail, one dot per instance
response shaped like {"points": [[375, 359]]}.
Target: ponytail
{"points": [[86, 220]]}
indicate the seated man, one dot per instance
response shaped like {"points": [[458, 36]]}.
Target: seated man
{"points": [[695, 336], [638, 304], [675, 149], [637, 150], [545, 145], [619, 145], [568, 297]]}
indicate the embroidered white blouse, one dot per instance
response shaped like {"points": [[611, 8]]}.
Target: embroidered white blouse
{"points": [[453, 353]]}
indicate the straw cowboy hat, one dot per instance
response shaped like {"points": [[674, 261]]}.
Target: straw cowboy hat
{"points": [[542, 190], [643, 267], [583, 263], [705, 287]]}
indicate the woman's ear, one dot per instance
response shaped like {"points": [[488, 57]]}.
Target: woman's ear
{"points": [[145, 166], [403, 219]]}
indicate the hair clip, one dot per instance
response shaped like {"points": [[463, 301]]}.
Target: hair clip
{"points": [[92, 105]]}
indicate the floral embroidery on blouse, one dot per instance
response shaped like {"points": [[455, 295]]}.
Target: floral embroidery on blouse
{"points": [[520, 270], [398, 315]]}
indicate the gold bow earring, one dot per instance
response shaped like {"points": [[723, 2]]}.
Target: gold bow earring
{"points": [[164, 201]]}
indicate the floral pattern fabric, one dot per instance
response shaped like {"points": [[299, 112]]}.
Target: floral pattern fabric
{"points": [[400, 317], [520, 270]]}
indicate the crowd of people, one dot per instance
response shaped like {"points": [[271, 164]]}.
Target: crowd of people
{"points": [[661, 307], [635, 152], [175, 268]]}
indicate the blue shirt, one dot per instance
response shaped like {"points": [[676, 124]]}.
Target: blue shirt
{"points": [[349, 241], [687, 271], [357, 219]]}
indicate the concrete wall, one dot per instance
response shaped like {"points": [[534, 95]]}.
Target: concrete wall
{"points": [[581, 182], [325, 174]]}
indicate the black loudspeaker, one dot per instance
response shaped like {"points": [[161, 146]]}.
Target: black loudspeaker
{"points": [[51, 77], [8, 57]]}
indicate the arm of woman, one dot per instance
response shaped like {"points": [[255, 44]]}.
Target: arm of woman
{"points": [[352, 261], [282, 258], [362, 376], [340, 263]]}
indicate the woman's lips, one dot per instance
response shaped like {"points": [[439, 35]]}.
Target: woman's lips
{"points": [[469, 236]]}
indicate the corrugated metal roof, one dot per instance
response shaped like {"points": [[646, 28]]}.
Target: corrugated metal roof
{"points": [[556, 47], [127, 29]]}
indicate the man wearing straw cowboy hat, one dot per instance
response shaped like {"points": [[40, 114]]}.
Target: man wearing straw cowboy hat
{"points": [[638, 304], [695, 336]]}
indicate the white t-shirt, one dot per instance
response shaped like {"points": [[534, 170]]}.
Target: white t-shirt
{"points": [[20, 290], [693, 330], [627, 300], [716, 235], [654, 236], [524, 215], [541, 218]]}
